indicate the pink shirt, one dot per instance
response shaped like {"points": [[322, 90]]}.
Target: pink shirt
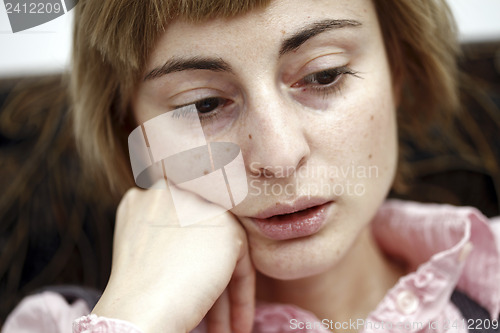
{"points": [[446, 247]]}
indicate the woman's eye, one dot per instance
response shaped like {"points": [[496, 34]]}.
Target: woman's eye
{"points": [[204, 109], [325, 81], [208, 104], [322, 78]]}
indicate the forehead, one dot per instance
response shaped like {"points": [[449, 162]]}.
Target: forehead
{"points": [[261, 30]]}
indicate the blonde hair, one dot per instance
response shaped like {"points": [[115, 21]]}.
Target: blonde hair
{"points": [[112, 40]]}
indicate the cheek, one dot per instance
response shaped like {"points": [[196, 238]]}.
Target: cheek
{"points": [[380, 136], [360, 135], [373, 147], [357, 137], [359, 140], [377, 138]]}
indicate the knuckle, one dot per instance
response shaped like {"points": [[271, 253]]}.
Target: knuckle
{"points": [[129, 196]]}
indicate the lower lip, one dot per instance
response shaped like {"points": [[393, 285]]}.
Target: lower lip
{"points": [[288, 226]]}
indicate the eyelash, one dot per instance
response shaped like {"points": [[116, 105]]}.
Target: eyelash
{"points": [[333, 87], [185, 112], [325, 90]]}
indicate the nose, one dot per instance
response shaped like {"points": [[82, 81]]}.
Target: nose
{"points": [[276, 145]]}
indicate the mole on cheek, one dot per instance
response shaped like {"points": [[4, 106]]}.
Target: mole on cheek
{"points": [[250, 136]]}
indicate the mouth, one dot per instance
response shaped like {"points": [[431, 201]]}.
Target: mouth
{"points": [[300, 219]]}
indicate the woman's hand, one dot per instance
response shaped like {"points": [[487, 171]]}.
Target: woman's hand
{"points": [[165, 278]]}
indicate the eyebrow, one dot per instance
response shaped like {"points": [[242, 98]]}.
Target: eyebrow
{"points": [[303, 35], [184, 64], [218, 65]]}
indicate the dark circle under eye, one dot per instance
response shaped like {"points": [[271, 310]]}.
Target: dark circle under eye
{"points": [[208, 104], [325, 77]]}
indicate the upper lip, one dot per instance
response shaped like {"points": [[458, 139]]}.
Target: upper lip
{"points": [[281, 208]]}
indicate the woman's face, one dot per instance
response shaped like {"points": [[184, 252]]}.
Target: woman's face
{"points": [[304, 89]]}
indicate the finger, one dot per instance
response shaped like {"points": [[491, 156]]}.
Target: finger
{"points": [[161, 203], [151, 206], [218, 318], [242, 295]]}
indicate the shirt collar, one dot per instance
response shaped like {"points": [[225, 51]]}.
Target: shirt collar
{"points": [[446, 247]]}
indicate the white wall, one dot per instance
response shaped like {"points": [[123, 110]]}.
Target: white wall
{"points": [[46, 48], [42, 49], [478, 20]]}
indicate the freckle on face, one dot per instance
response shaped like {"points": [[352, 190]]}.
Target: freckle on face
{"points": [[250, 136]]}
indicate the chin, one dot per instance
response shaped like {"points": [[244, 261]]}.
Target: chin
{"points": [[290, 273], [297, 258]]}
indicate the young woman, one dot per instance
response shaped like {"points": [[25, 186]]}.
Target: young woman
{"points": [[313, 93]]}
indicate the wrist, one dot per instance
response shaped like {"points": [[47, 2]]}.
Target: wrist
{"points": [[149, 317]]}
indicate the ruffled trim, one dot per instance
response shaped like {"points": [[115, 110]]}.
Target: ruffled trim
{"points": [[95, 324]]}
